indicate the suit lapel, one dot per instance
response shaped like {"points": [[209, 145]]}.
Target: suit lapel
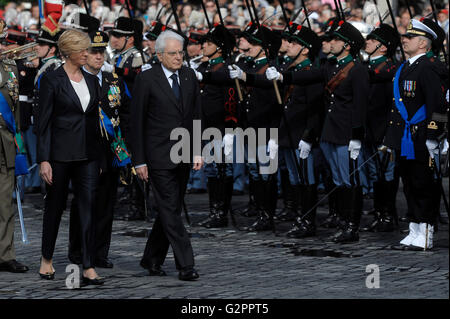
{"points": [[164, 84], [91, 86], [71, 92]]}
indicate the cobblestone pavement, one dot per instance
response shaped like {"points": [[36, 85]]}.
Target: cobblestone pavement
{"points": [[237, 264]]}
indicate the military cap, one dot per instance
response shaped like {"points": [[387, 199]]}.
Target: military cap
{"points": [[195, 37], [123, 26], [99, 39], [440, 33], [349, 34], [306, 37], [46, 38], [222, 37], [416, 28], [328, 29], [387, 36], [84, 22], [155, 29]]}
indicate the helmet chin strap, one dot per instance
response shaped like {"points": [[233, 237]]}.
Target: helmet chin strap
{"points": [[378, 46], [125, 44], [342, 50], [296, 57], [215, 51], [259, 53]]}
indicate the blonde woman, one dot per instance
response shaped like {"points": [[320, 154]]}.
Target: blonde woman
{"points": [[68, 144]]}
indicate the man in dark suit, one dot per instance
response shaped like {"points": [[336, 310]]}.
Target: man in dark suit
{"points": [[165, 98]]}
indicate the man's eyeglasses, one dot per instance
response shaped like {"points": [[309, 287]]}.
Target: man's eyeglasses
{"points": [[175, 53]]}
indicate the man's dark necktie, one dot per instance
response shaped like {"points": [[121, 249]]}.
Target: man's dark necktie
{"points": [[175, 86]]}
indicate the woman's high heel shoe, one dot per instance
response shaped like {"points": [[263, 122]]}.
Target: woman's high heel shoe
{"points": [[47, 275]]}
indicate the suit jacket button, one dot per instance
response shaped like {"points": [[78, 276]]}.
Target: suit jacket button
{"points": [[329, 110]]}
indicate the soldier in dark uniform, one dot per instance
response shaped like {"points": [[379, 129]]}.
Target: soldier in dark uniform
{"points": [[47, 52], [155, 29], [303, 110], [114, 116], [27, 72], [415, 124], [347, 90], [288, 191], [380, 46], [442, 69], [219, 104], [9, 122], [261, 111], [125, 38]]}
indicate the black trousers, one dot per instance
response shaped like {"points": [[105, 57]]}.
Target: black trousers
{"points": [[418, 180], [169, 187], [84, 177], [103, 217]]}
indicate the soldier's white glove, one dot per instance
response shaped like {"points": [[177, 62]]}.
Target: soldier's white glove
{"points": [[146, 66], [194, 65], [107, 67], [273, 74], [236, 72], [433, 147], [273, 148], [384, 148], [444, 149], [305, 149], [354, 147], [227, 144], [446, 96], [199, 75]]}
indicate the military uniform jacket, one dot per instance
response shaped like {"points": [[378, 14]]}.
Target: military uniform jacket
{"points": [[345, 106], [128, 64], [419, 84], [303, 109], [9, 88], [260, 105], [26, 91], [380, 100], [218, 97], [115, 103], [48, 66]]}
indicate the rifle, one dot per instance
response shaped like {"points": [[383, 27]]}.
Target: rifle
{"points": [[306, 14], [442, 48]]}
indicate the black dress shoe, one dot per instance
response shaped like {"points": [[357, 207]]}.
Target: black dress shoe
{"points": [[188, 275], [155, 270], [96, 281], [103, 263], [13, 266]]}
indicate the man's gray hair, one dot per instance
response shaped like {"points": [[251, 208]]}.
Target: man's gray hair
{"points": [[160, 43], [428, 41]]}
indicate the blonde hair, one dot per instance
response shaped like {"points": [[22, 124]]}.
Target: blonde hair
{"points": [[72, 41]]}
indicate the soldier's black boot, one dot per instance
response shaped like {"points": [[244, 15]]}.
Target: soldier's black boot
{"points": [[388, 216], [214, 204], [287, 195], [332, 220], [291, 198], [305, 224], [266, 198], [251, 209], [352, 208], [379, 205], [223, 190]]}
